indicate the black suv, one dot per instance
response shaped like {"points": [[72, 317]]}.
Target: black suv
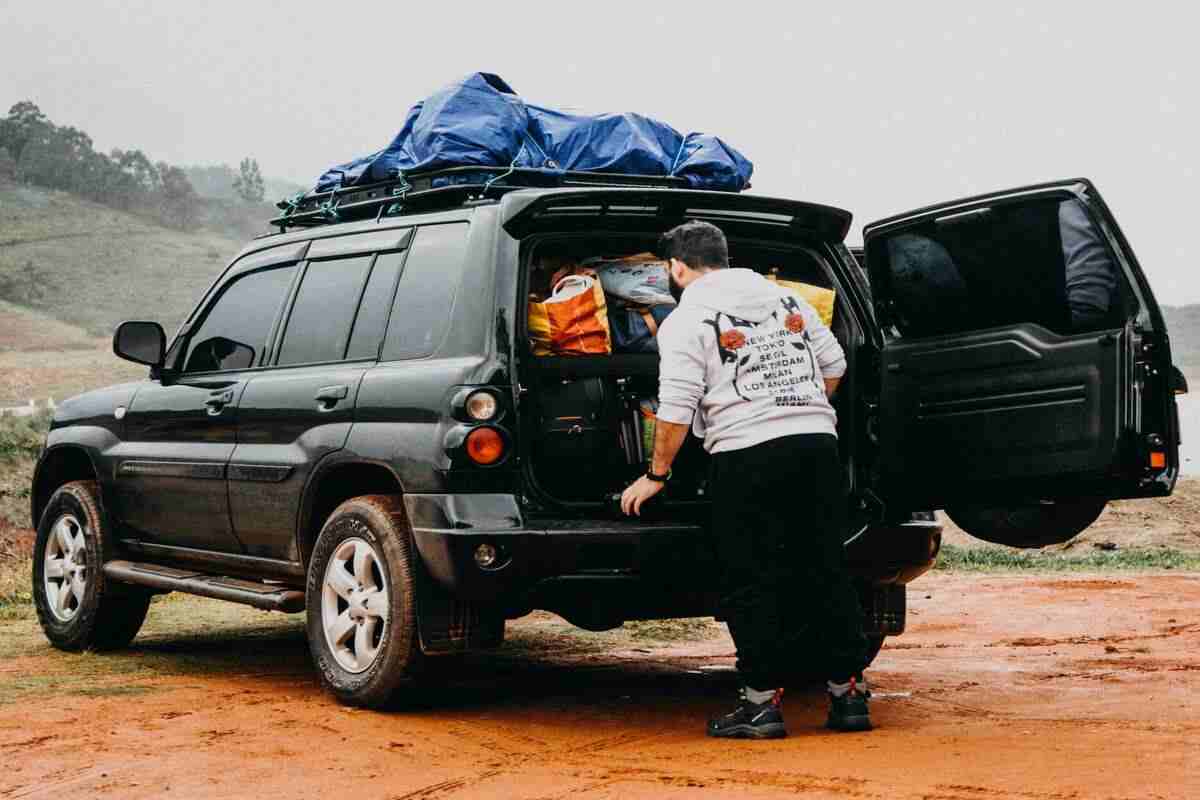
{"points": [[351, 423]]}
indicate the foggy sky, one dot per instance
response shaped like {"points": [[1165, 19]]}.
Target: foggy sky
{"points": [[877, 108]]}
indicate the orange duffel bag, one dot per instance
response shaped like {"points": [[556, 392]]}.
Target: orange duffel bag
{"points": [[573, 320]]}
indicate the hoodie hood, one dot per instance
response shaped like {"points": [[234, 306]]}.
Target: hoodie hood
{"points": [[735, 291]]}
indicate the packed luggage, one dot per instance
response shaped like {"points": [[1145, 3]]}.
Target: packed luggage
{"points": [[573, 320], [587, 308], [480, 121]]}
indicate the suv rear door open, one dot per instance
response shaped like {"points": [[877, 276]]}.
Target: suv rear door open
{"points": [[1027, 363]]}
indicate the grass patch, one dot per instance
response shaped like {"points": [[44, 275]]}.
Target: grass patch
{"points": [[670, 630], [16, 477], [183, 636], [20, 441], [21, 438], [993, 559], [16, 601]]}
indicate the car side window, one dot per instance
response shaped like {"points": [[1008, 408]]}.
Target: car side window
{"points": [[236, 325], [425, 297], [1039, 261], [318, 327], [373, 310]]}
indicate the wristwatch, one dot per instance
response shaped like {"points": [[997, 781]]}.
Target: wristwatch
{"points": [[658, 478]]}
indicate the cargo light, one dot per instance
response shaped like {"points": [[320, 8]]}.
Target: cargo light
{"points": [[485, 446], [486, 555], [481, 405]]}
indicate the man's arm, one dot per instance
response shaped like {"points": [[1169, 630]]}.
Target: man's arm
{"points": [[668, 438], [831, 385]]}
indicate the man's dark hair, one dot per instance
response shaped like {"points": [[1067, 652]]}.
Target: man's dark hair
{"points": [[700, 245]]}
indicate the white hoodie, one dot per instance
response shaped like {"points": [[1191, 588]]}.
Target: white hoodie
{"points": [[751, 356]]}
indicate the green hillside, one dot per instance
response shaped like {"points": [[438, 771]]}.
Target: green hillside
{"points": [[42, 357], [92, 266]]}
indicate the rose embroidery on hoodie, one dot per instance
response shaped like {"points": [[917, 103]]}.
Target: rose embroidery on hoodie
{"points": [[733, 339], [794, 323]]}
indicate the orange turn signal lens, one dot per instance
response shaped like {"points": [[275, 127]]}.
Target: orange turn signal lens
{"points": [[1158, 460], [485, 446]]}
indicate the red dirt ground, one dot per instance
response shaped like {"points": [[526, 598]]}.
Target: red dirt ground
{"points": [[1013, 687]]}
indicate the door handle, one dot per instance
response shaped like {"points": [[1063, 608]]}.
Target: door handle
{"points": [[216, 402], [328, 396]]}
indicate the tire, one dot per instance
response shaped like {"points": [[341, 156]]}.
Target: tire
{"points": [[77, 607], [364, 650], [1033, 525]]}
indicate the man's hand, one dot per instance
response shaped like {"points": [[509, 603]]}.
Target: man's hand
{"points": [[638, 493]]}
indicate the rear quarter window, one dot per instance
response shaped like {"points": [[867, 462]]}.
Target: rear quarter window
{"points": [[424, 301]]}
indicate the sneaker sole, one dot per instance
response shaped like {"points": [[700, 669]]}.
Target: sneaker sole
{"points": [[850, 724], [772, 731]]}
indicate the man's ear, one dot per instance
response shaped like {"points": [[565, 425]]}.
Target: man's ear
{"points": [[678, 270]]}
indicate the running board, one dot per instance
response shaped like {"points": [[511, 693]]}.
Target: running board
{"points": [[269, 597]]}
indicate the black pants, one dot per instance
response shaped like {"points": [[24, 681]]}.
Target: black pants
{"points": [[779, 513]]}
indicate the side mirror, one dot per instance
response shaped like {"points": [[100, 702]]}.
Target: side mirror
{"points": [[141, 343]]}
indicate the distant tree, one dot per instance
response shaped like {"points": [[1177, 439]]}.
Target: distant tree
{"points": [[43, 162], [25, 121], [249, 182], [8, 165], [35, 150], [178, 200], [214, 182], [139, 168]]}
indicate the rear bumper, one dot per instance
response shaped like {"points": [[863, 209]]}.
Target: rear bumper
{"points": [[448, 529]]}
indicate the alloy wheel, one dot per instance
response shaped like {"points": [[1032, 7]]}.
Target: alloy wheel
{"points": [[65, 569], [354, 604]]}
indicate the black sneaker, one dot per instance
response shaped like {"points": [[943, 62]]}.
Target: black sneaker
{"points": [[849, 712], [751, 720]]}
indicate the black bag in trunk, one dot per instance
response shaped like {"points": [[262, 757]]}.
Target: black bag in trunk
{"points": [[578, 451]]}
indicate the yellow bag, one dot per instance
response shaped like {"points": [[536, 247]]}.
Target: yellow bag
{"points": [[573, 321], [819, 298]]}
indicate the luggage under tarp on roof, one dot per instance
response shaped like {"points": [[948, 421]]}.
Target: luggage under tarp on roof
{"points": [[480, 121]]}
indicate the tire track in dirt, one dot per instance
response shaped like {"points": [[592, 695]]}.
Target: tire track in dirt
{"points": [[441, 788]]}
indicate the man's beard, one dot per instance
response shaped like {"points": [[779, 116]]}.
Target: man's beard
{"points": [[674, 288]]}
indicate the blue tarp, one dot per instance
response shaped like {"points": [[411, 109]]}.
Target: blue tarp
{"points": [[480, 121]]}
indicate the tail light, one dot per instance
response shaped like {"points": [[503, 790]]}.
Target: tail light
{"points": [[481, 405], [485, 446]]}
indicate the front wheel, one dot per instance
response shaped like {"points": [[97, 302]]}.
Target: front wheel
{"points": [[77, 608], [361, 602]]}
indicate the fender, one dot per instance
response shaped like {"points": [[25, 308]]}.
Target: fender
{"points": [[302, 542], [91, 442]]}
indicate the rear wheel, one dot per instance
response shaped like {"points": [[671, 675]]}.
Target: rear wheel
{"points": [[360, 597], [1031, 525], [77, 607]]}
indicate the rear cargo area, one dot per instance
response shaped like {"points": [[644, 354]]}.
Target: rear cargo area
{"points": [[588, 417]]}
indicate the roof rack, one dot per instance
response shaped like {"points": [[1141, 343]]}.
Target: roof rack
{"points": [[440, 189]]}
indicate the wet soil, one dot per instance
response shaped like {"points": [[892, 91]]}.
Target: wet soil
{"points": [[1007, 686]]}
